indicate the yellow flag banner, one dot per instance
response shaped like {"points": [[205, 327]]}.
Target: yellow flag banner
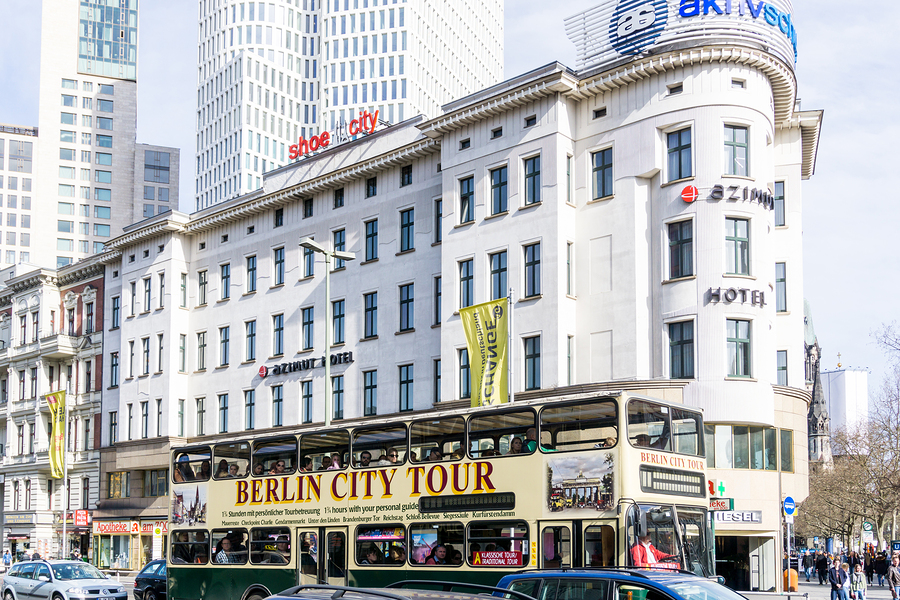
{"points": [[57, 403], [486, 328]]}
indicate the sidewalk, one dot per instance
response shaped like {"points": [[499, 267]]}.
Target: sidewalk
{"points": [[823, 592]]}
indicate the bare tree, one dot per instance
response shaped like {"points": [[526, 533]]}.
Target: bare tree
{"points": [[888, 337]]}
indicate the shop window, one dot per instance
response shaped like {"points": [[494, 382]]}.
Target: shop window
{"points": [[232, 460], [190, 546], [324, 451], [501, 434], [431, 438], [498, 544], [381, 545], [384, 446], [581, 426], [229, 546], [276, 456], [192, 465], [119, 484], [438, 543], [270, 546]]}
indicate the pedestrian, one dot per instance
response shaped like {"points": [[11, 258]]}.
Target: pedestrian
{"points": [[858, 587], [893, 577], [7, 560], [869, 567], [881, 567], [839, 580], [808, 564], [822, 567]]}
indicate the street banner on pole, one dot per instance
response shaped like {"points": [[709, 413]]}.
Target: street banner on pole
{"points": [[57, 403], [486, 338]]}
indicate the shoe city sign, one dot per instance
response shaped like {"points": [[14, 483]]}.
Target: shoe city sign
{"points": [[364, 125]]}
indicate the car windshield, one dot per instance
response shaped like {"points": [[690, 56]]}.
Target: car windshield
{"points": [[82, 571], [703, 589]]}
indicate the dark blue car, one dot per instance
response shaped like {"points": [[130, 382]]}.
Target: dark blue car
{"points": [[616, 584]]}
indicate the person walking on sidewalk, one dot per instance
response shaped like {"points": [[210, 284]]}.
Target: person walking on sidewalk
{"points": [[839, 580], [822, 567], [893, 577], [808, 564], [858, 587], [881, 567]]}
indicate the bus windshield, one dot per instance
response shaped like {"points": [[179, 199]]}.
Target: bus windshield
{"points": [[673, 537]]}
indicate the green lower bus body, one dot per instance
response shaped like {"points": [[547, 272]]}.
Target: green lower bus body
{"points": [[233, 583]]}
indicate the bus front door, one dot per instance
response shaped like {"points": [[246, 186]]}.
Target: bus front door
{"points": [[323, 555], [599, 544], [556, 547]]}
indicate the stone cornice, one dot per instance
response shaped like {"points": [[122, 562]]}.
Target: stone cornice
{"points": [[175, 223], [792, 392], [88, 268]]}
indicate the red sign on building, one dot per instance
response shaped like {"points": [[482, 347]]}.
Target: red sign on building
{"points": [[82, 518]]}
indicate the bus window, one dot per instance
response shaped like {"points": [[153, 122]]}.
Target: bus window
{"points": [[381, 545], [436, 543], [583, 426], [600, 546], [270, 545], [324, 451], [229, 546], [498, 544], [648, 425], [232, 460], [191, 465], [502, 433], [556, 547], [309, 553], [336, 564], [190, 546], [381, 447], [437, 439], [686, 429], [275, 456]]}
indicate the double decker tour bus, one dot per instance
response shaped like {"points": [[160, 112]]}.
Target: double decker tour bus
{"points": [[467, 495]]}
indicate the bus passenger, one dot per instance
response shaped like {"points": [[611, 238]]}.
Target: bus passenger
{"points": [[531, 440], [435, 454], [225, 552], [393, 456], [373, 556], [203, 475], [455, 558], [397, 555], [258, 469], [282, 553], [642, 440], [438, 555], [183, 472], [277, 468], [515, 446], [233, 470], [222, 469], [306, 464], [644, 553], [200, 549], [458, 454], [181, 553], [326, 463], [474, 549], [335, 461], [365, 458]]}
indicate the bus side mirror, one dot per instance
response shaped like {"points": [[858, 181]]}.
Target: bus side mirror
{"points": [[641, 525]]}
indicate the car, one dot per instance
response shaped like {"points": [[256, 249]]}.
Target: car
{"points": [[59, 580], [615, 583], [404, 590], [150, 583]]}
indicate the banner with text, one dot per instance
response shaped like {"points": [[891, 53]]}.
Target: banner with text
{"points": [[57, 403], [486, 339]]}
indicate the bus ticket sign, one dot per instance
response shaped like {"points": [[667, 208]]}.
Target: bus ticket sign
{"points": [[497, 559]]}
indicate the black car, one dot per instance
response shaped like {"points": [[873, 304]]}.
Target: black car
{"points": [[150, 583]]}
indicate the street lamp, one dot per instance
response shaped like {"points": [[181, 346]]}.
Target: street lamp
{"points": [[312, 245]]}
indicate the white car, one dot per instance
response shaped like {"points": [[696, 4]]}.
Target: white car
{"points": [[59, 580]]}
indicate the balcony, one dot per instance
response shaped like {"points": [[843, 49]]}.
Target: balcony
{"points": [[59, 346]]}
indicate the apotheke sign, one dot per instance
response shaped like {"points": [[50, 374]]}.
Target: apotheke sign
{"points": [[306, 364]]}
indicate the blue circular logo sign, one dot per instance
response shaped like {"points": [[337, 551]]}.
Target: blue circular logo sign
{"points": [[789, 506], [636, 24]]}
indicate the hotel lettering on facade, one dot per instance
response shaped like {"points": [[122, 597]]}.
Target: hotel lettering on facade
{"points": [[645, 210]]}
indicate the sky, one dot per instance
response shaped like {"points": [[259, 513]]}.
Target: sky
{"points": [[846, 66]]}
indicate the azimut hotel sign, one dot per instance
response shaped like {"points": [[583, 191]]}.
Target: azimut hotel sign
{"points": [[620, 28]]}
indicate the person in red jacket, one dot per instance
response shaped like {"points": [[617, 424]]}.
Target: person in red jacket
{"points": [[644, 554]]}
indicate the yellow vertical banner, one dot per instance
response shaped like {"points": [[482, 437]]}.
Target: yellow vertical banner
{"points": [[57, 403], [486, 327]]}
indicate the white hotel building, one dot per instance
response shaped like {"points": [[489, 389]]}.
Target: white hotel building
{"points": [[646, 210], [272, 72]]}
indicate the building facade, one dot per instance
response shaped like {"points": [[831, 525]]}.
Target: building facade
{"points": [[18, 147], [273, 72], [51, 339]]}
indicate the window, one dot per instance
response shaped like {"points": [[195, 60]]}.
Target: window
{"points": [[307, 328], [467, 200], [437, 301], [201, 288], [119, 484], [737, 246], [145, 420], [277, 406], [738, 333], [787, 450], [532, 180], [465, 374], [309, 262], [182, 353], [159, 353], [736, 157], [181, 417], [307, 208], [337, 396], [223, 413], [570, 359], [201, 351], [496, 133], [114, 369], [681, 249], [405, 175], [306, 400], [145, 356], [407, 299], [278, 335], [337, 319], [681, 350], [780, 287], [781, 367], [498, 190], [338, 197], [225, 280], [465, 144], [184, 294], [156, 483], [570, 268], [162, 290], [532, 363], [113, 427], [250, 340], [406, 387], [372, 239], [466, 283], [370, 302], [251, 274], [279, 217], [278, 257], [678, 145], [530, 121], [532, 270], [602, 176], [201, 416], [779, 204], [599, 112], [370, 393], [371, 187], [407, 229], [498, 275], [340, 245], [438, 217], [436, 375], [147, 289], [249, 409], [224, 345]]}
